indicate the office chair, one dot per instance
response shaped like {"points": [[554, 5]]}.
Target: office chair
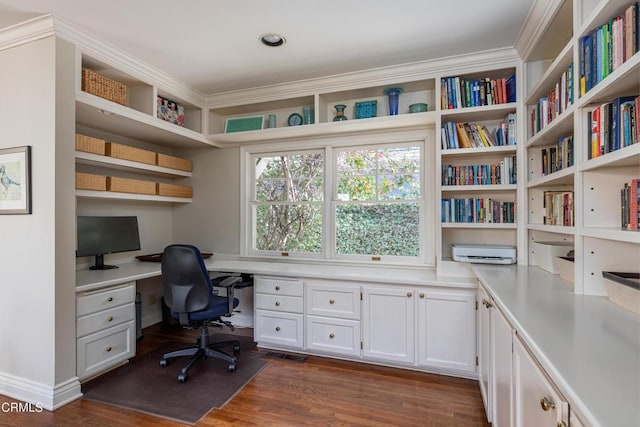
{"points": [[189, 293]]}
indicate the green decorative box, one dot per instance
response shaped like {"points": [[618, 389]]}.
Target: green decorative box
{"points": [[242, 124]]}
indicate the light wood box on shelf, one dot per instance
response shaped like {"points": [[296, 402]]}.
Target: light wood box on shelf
{"points": [[90, 144], [127, 185], [89, 181], [127, 152], [623, 289], [173, 190], [172, 162], [104, 87]]}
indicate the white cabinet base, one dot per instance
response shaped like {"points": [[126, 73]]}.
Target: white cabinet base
{"points": [[276, 328], [337, 336], [105, 349]]}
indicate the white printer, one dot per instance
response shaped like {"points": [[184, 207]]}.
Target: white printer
{"points": [[484, 254]]}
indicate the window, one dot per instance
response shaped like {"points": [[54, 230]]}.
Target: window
{"points": [[347, 202], [288, 202], [377, 201]]}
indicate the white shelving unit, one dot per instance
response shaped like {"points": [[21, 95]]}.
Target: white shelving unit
{"points": [[600, 243]]}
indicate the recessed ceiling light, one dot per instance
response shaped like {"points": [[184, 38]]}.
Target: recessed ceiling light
{"points": [[272, 39]]}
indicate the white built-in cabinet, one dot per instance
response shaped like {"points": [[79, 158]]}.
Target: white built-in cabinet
{"points": [[484, 350], [600, 243], [424, 327]]}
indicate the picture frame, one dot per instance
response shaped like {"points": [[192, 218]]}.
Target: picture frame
{"points": [[15, 180], [242, 124]]}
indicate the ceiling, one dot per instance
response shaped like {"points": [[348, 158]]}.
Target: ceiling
{"points": [[213, 46]]}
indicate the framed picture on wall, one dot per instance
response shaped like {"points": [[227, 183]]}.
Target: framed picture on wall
{"points": [[15, 180]]}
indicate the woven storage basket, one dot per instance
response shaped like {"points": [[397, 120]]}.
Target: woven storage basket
{"points": [[126, 152], [127, 185], [89, 181], [103, 87], [89, 144], [174, 162], [173, 190]]}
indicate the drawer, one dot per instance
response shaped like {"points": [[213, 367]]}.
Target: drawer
{"points": [[337, 336], [95, 322], [333, 300], [105, 349], [279, 286], [279, 303], [93, 301], [273, 327]]}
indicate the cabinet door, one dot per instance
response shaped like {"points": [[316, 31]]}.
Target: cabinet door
{"points": [[536, 401], [484, 350], [388, 318], [447, 329], [501, 372]]}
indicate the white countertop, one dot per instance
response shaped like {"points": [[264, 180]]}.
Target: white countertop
{"points": [[87, 280], [589, 346]]}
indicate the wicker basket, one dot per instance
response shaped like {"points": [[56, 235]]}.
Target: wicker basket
{"points": [[126, 152], [89, 181], [173, 190], [174, 162], [89, 144], [127, 185], [103, 87]]}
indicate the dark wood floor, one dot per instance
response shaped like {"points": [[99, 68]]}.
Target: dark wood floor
{"points": [[318, 391]]}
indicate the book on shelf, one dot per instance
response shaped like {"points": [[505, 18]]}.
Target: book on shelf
{"points": [[477, 211], [503, 172], [554, 103], [557, 157], [630, 205], [458, 92], [558, 208], [476, 135], [608, 46], [613, 125]]}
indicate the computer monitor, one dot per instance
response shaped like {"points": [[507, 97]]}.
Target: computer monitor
{"points": [[101, 235]]}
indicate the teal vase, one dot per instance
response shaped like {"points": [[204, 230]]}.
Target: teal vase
{"points": [[339, 113]]}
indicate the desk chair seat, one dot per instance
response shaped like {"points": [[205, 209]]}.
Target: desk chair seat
{"points": [[189, 294]]}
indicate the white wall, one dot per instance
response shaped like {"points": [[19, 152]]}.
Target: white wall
{"points": [[37, 309]]}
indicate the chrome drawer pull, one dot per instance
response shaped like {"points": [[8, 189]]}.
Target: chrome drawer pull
{"points": [[409, 294], [277, 288], [277, 328], [109, 319], [108, 348], [331, 301], [110, 299], [546, 403], [332, 336], [421, 295], [277, 303]]}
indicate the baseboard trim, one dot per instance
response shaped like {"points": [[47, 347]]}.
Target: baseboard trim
{"points": [[40, 395]]}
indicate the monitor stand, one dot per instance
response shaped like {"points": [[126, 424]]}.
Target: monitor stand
{"points": [[100, 265]]}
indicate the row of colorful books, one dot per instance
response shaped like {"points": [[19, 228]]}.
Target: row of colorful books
{"points": [[555, 103], [608, 47], [474, 135], [630, 205], [478, 210], [558, 157], [613, 125], [558, 206], [457, 92], [503, 172]]}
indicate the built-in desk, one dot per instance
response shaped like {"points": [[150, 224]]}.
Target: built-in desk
{"points": [[588, 346]]}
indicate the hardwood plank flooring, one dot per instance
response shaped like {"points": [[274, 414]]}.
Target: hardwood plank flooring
{"points": [[319, 392]]}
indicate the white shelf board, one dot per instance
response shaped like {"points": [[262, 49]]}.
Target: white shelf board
{"points": [[121, 164], [562, 177], [485, 225], [481, 113], [552, 74], [559, 229], [98, 113], [612, 233], [561, 126], [622, 81], [129, 196], [627, 156], [466, 188], [501, 149], [326, 129]]}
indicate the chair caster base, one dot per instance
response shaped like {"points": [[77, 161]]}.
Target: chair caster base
{"points": [[236, 350], [163, 363], [182, 378], [233, 367]]}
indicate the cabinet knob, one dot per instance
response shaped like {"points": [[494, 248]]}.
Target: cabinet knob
{"points": [[110, 299], [332, 301], [561, 423], [277, 303], [277, 288], [109, 319], [277, 328], [486, 303], [409, 294], [108, 348], [421, 295], [546, 403], [332, 336]]}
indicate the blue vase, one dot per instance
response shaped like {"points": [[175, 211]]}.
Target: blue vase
{"points": [[394, 96]]}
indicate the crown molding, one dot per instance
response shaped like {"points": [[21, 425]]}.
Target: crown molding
{"points": [[535, 24], [26, 32], [490, 59]]}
